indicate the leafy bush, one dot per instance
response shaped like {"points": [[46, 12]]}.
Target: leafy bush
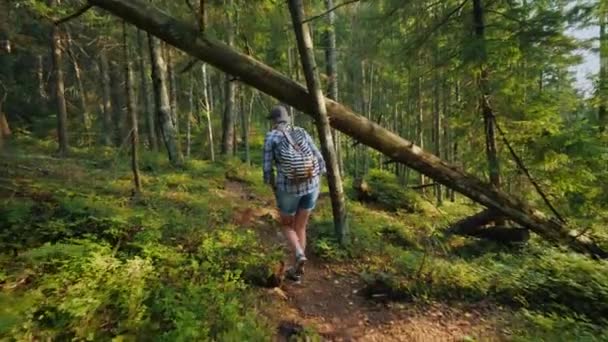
{"points": [[386, 190]]}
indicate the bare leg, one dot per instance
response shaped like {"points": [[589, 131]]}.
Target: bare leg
{"points": [[301, 221], [287, 224]]}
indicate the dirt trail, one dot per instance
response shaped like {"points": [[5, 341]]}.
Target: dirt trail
{"points": [[329, 302]]}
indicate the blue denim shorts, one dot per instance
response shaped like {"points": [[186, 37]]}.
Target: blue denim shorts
{"points": [[289, 204]]}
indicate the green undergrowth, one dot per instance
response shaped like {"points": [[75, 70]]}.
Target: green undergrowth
{"points": [[84, 259], [406, 256]]}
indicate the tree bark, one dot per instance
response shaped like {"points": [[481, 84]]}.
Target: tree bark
{"points": [[264, 78], [104, 68], [161, 99], [62, 113], [307, 56], [148, 113], [131, 111]]}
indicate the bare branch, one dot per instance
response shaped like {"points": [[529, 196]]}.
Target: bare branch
{"points": [[74, 15], [190, 65], [330, 10]]}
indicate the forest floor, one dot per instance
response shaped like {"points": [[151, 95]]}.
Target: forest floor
{"points": [[70, 230], [329, 300]]}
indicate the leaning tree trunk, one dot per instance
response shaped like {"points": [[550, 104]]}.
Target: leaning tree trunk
{"points": [[62, 113], [131, 111], [253, 72], [148, 113], [309, 66], [161, 100]]}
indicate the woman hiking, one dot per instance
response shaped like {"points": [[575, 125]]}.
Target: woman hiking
{"points": [[296, 186]]}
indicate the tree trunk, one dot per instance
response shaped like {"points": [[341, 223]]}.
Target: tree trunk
{"points": [[161, 99], [603, 83], [248, 128], [42, 96], [120, 120], [62, 113], [331, 62], [85, 121], [207, 109], [437, 126], [190, 117], [264, 78], [305, 46], [229, 90], [483, 82], [131, 111], [419, 122], [5, 130], [172, 92], [148, 112], [104, 68]]}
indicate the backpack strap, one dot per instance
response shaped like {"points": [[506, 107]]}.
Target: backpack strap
{"points": [[289, 138]]}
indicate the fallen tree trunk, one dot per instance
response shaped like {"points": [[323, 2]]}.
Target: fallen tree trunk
{"points": [[501, 234], [475, 226], [468, 224], [189, 39]]}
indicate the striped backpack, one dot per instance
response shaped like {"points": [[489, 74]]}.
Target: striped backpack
{"points": [[294, 156]]}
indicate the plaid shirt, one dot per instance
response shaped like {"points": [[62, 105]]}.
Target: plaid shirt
{"points": [[273, 138]]}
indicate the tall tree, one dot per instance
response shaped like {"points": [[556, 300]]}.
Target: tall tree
{"points": [[161, 100], [148, 113], [104, 69], [131, 111], [85, 121], [305, 47], [229, 89], [484, 86], [331, 62], [62, 113], [603, 82], [207, 110]]}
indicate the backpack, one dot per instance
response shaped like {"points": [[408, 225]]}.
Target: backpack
{"points": [[294, 156]]}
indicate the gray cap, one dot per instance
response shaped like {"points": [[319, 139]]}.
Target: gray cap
{"points": [[279, 114]]}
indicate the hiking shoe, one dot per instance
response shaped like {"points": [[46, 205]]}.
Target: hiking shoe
{"points": [[299, 266], [292, 275]]}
